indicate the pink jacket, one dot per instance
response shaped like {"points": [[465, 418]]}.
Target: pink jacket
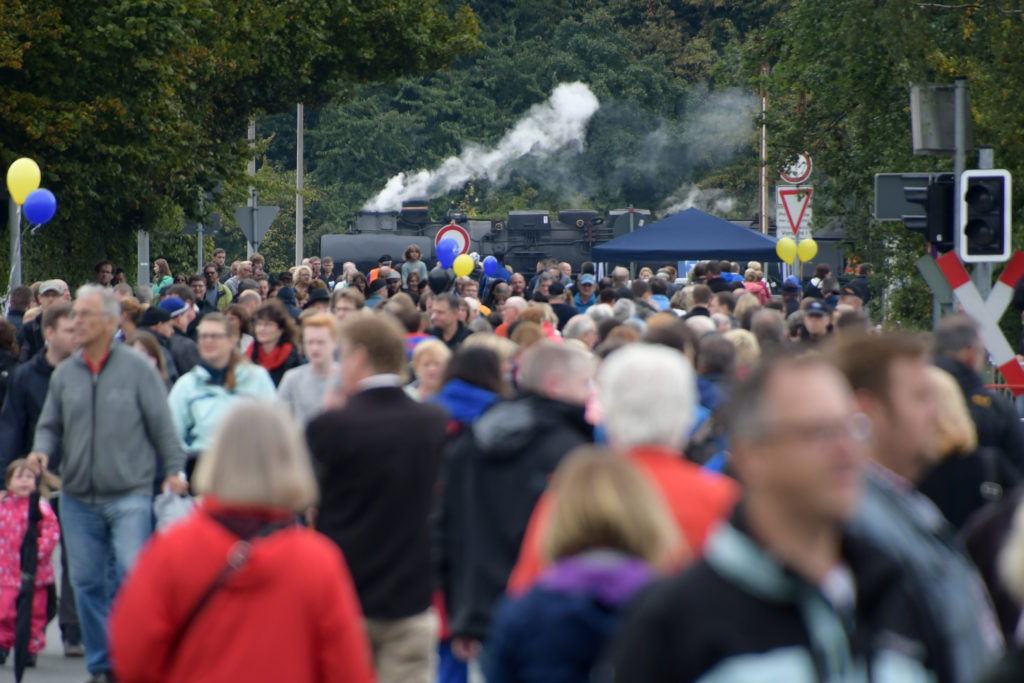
{"points": [[13, 523]]}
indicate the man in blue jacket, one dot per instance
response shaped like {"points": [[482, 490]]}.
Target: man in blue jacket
{"points": [[106, 417]]}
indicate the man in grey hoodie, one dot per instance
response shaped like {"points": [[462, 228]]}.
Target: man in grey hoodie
{"points": [[106, 415]]}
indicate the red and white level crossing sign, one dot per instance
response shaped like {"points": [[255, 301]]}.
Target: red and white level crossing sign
{"points": [[454, 232], [987, 312], [794, 210]]}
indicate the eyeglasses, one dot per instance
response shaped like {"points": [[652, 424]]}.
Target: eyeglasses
{"points": [[856, 427], [83, 314], [209, 336]]}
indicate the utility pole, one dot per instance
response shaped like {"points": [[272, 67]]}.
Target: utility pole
{"points": [[249, 248], [299, 182]]}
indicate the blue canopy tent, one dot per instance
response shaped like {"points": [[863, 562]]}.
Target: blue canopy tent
{"points": [[690, 234]]}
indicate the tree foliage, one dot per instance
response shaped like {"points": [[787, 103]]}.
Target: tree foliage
{"points": [[131, 106]]}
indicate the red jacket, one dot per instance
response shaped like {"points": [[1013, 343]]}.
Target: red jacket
{"points": [[289, 614], [696, 498]]}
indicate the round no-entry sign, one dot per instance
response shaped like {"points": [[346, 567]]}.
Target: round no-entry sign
{"points": [[455, 232]]}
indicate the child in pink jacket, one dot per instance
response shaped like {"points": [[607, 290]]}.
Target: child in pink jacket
{"points": [[20, 483]]}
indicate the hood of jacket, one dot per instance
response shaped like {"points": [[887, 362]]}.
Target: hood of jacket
{"points": [[463, 401], [612, 577], [510, 426]]}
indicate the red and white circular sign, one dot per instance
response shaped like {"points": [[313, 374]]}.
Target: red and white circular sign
{"points": [[799, 171], [455, 232]]}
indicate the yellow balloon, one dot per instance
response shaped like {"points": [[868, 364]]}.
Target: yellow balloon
{"points": [[22, 179], [786, 249], [807, 250], [463, 265]]}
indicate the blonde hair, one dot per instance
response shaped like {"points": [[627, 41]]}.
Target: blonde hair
{"points": [[602, 501], [745, 302], [47, 483], [955, 433], [748, 351], [258, 456], [1011, 558], [430, 347], [506, 349]]}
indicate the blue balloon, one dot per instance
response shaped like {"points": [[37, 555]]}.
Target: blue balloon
{"points": [[447, 249], [40, 206], [491, 266]]}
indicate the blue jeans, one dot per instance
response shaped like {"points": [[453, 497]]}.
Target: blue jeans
{"points": [[101, 538]]}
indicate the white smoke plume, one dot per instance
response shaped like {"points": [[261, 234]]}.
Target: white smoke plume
{"points": [[710, 200], [553, 126]]}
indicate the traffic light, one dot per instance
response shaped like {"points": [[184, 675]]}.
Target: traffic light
{"points": [[985, 216], [936, 198]]}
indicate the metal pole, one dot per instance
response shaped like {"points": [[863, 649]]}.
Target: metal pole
{"points": [[14, 225], [299, 182], [199, 234], [982, 275], [959, 145], [249, 248], [143, 257]]}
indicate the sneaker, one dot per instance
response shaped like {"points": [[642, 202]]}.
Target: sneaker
{"points": [[3, 656], [30, 661], [101, 677], [73, 649]]}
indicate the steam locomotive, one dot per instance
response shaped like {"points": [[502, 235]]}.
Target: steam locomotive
{"points": [[523, 237]]}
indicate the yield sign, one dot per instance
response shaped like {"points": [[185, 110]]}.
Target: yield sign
{"points": [[795, 202]]}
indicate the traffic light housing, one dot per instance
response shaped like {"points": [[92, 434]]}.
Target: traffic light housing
{"points": [[935, 224], [985, 216]]}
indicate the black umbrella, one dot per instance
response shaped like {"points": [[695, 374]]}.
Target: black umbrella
{"points": [[29, 564]]}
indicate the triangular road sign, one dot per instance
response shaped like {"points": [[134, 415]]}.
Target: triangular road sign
{"points": [[795, 202]]}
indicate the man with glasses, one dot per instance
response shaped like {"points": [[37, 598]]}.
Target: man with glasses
{"points": [[217, 295], [784, 591], [104, 272], [106, 416]]}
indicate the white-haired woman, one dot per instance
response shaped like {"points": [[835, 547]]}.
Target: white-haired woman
{"points": [[237, 591]]}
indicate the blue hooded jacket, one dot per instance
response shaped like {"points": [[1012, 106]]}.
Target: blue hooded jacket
{"points": [[463, 401]]}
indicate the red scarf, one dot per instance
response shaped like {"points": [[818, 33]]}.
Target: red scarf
{"points": [[274, 359]]}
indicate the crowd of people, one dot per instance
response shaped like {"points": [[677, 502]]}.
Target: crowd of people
{"points": [[564, 475]]}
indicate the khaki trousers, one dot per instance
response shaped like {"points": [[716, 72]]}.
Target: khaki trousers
{"points": [[405, 650]]}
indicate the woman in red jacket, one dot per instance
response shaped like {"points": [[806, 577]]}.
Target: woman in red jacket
{"points": [[237, 591]]}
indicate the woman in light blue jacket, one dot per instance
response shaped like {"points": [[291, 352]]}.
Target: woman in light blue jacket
{"points": [[202, 396]]}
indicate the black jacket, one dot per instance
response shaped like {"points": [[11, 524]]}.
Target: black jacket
{"points": [[456, 341], [184, 350], [377, 493], [30, 339], [493, 475], [738, 610], [25, 396], [955, 486]]}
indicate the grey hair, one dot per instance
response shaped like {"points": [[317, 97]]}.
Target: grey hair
{"points": [[623, 310], [111, 306], [578, 326], [541, 361], [599, 312], [649, 396], [953, 334]]}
